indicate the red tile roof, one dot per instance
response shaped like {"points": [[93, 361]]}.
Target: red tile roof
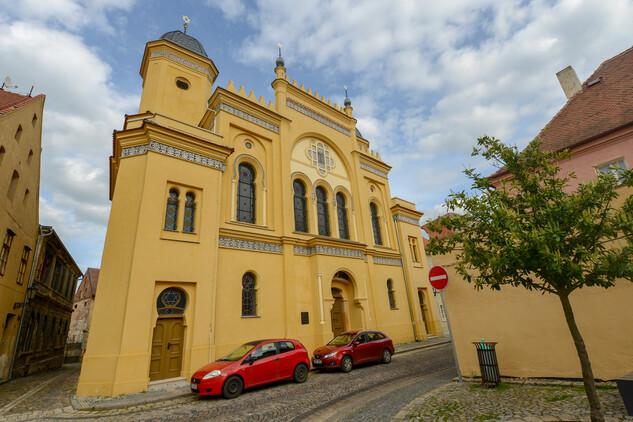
{"points": [[443, 234], [10, 101], [600, 108]]}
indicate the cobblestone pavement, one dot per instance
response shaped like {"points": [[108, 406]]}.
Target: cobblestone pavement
{"points": [[514, 400], [281, 401]]}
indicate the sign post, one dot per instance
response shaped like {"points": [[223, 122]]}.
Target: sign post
{"points": [[438, 277]]}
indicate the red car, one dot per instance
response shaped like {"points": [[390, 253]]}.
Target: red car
{"points": [[353, 347], [254, 363]]}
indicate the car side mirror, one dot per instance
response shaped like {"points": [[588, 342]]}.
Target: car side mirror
{"points": [[356, 343]]}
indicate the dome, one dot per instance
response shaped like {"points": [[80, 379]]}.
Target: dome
{"points": [[185, 41]]}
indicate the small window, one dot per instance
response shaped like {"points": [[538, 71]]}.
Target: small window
{"points": [[182, 84], [34, 120], [6, 248], [13, 185], [391, 293], [2, 152], [305, 318], [26, 197], [285, 346], [23, 261], [18, 133], [413, 245], [171, 214], [190, 209], [249, 296], [30, 157], [616, 168]]}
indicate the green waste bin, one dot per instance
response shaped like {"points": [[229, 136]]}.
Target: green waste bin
{"points": [[488, 364]]}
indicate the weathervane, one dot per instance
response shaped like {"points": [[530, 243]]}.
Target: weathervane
{"points": [[187, 20], [279, 45]]}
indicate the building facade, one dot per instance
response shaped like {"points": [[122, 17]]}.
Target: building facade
{"points": [[596, 124], [20, 147], [83, 302], [234, 219]]}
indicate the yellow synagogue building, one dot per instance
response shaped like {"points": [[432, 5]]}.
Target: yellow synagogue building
{"points": [[234, 219]]}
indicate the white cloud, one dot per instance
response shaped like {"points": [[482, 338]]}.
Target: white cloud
{"points": [[231, 9]]}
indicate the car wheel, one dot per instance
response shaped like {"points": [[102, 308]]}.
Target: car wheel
{"points": [[301, 373], [232, 387], [346, 364], [386, 356]]}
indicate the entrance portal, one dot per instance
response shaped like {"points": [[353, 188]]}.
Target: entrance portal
{"points": [[166, 349], [338, 318], [424, 310]]}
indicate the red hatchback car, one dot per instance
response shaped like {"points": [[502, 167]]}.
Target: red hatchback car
{"points": [[353, 347], [254, 363]]}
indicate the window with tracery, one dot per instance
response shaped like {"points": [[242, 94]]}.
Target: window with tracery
{"points": [[375, 223], [190, 209], [341, 212], [301, 220], [171, 213], [246, 194], [171, 301], [249, 296], [323, 219], [390, 292]]}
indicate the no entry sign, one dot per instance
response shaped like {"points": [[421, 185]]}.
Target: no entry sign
{"points": [[438, 277]]}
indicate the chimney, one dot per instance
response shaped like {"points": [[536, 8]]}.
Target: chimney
{"points": [[569, 81]]}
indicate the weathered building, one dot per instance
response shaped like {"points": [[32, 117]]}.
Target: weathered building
{"points": [[82, 309]]}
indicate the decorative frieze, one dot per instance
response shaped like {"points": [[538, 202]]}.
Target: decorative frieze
{"points": [[316, 116], [373, 170], [179, 60], [174, 152], [328, 250], [250, 245], [406, 219], [387, 261], [247, 116]]}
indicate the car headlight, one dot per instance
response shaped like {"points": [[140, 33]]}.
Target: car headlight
{"points": [[212, 374], [329, 355]]}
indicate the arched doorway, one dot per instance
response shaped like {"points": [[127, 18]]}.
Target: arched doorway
{"points": [[424, 310], [346, 312], [168, 336]]}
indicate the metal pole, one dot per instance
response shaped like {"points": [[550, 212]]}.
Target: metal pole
{"points": [[450, 333]]}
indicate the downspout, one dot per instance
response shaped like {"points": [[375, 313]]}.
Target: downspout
{"points": [[406, 282], [29, 287]]}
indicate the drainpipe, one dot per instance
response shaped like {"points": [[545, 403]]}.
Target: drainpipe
{"points": [[406, 282], [44, 231]]}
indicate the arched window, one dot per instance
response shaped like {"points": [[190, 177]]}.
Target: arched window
{"points": [[172, 210], [341, 212], [390, 292], [323, 218], [301, 220], [375, 223], [190, 209], [249, 297], [246, 194], [171, 301]]}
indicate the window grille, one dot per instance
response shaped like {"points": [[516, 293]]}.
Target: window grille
{"points": [[249, 297], [301, 220], [171, 213], [171, 301], [190, 209], [375, 223], [341, 211], [322, 212], [246, 194]]}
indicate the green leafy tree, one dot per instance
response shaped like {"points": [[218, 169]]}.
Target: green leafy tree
{"points": [[534, 231]]}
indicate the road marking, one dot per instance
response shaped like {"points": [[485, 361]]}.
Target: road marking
{"points": [[24, 396]]}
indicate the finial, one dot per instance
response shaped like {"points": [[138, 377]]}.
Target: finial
{"points": [[347, 101], [187, 20], [280, 60]]}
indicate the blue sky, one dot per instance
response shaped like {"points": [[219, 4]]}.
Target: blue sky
{"points": [[426, 78]]}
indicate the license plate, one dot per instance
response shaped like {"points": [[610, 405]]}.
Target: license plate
{"points": [[194, 386], [317, 362]]}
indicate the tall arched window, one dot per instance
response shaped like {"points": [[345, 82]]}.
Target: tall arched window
{"points": [[323, 218], [172, 210], [375, 223], [249, 297], [246, 194], [390, 292], [301, 220], [190, 209], [341, 212]]}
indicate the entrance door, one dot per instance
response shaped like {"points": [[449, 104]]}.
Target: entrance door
{"points": [[166, 360], [338, 319], [424, 311]]}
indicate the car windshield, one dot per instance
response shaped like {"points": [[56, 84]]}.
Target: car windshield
{"points": [[238, 353], [341, 340]]}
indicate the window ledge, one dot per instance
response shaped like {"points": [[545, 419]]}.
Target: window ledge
{"points": [[251, 316], [241, 223]]}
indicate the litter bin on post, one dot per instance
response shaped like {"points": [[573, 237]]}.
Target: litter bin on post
{"points": [[488, 364]]}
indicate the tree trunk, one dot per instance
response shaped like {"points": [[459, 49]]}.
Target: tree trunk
{"points": [[587, 373]]}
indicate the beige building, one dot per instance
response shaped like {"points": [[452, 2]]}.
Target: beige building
{"points": [[20, 148], [234, 218], [596, 124]]}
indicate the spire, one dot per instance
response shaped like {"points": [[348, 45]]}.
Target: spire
{"points": [[187, 20], [347, 101], [280, 60]]}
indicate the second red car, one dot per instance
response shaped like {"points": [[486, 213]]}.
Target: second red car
{"points": [[353, 347]]}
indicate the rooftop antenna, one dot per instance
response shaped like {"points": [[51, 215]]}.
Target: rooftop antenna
{"points": [[7, 83], [187, 20]]}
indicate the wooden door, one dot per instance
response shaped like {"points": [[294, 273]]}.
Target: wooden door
{"points": [[424, 311], [338, 319], [167, 342]]}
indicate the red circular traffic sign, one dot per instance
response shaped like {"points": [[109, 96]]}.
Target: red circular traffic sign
{"points": [[438, 277]]}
